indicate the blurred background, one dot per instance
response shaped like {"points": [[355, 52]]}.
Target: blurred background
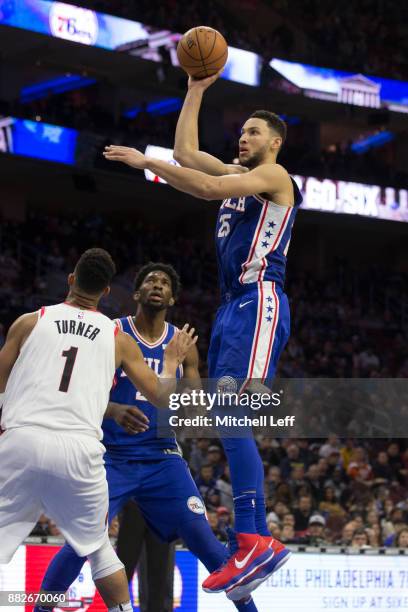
{"points": [[72, 81]]}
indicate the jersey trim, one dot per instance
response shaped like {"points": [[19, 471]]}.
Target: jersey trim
{"points": [[271, 226], [79, 308], [143, 340], [265, 332], [41, 312], [254, 243], [273, 332], [275, 244]]}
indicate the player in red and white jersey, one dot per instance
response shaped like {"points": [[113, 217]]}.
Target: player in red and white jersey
{"points": [[63, 374], [56, 371]]}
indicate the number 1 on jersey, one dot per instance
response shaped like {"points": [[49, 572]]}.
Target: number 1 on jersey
{"points": [[70, 356]]}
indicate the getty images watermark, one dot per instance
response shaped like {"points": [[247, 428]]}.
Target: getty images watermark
{"points": [[224, 404]]}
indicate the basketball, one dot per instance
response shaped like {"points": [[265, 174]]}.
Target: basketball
{"points": [[202, 52]]}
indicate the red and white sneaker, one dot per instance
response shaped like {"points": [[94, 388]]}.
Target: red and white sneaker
{"points": [[249, 552], [279, 557]]}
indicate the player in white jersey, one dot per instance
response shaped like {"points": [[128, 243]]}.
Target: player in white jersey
{"points": [[56, 371]]}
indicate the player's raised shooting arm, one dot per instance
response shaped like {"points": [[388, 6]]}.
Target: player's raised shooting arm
{"points": [[17, 335], [186, 144]]}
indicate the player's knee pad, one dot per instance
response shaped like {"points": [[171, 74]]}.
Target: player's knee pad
{"points": [[104, 561]]}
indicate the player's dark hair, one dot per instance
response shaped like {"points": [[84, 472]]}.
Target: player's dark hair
{"points": [[273, 121], [162, 267], [94, 271]]}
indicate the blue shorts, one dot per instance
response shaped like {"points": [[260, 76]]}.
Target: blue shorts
{"points": [[249, 334], [164, 490]]}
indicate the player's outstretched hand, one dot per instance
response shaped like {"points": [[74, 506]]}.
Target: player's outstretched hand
{"points": [[203, 84], [180, 344], [131, 419], [126, 155]]}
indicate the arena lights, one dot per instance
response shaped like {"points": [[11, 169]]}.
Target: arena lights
{"points": [[327, 195], [89, 27], [58, 85], [373, 141]]}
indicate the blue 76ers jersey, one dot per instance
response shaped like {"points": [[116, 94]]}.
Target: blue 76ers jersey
{"points": [[142, 446], [252, 241]]}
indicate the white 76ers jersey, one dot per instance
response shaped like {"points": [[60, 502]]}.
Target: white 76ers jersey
{"points": [[63, 375]]}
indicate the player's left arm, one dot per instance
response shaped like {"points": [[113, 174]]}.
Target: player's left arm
{"points": [[266, 178], [17, 335], [191, 373], [156, 389]]}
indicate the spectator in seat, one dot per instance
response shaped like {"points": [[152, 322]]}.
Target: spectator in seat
{"points": [[314, 481], [198, 455], [288, 535], [346, 452], [290, 461], [215, 458], [315, 535], [207, 486], [273, 479], [331, 445], [303, 513], [330, 506], [401, 541], [347, 533], [360, 539], [382, 470], [224, 487], [359, 469]]}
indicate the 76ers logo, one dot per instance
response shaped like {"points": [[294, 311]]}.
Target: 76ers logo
{"points": [[195, 504], [73, 23]]}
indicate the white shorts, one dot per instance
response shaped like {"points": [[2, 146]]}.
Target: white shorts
{"points": [[59, 474]]}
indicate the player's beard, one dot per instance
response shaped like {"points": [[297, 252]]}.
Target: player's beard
{"points": [[255, 159], [152, 306]]}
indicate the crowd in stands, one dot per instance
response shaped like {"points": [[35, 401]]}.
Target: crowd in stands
{"points": [[368, 36], [342, 491], [348, 493]]}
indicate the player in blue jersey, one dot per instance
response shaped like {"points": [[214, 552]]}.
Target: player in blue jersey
{"points": [[259, 204], [145, 467]]}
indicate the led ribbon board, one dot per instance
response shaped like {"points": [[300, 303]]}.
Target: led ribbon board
{"points": [[327, 195], [37, 139], [87, 27]]}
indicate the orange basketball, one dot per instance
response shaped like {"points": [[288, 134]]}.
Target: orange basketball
{"points": [[202, 52]]}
